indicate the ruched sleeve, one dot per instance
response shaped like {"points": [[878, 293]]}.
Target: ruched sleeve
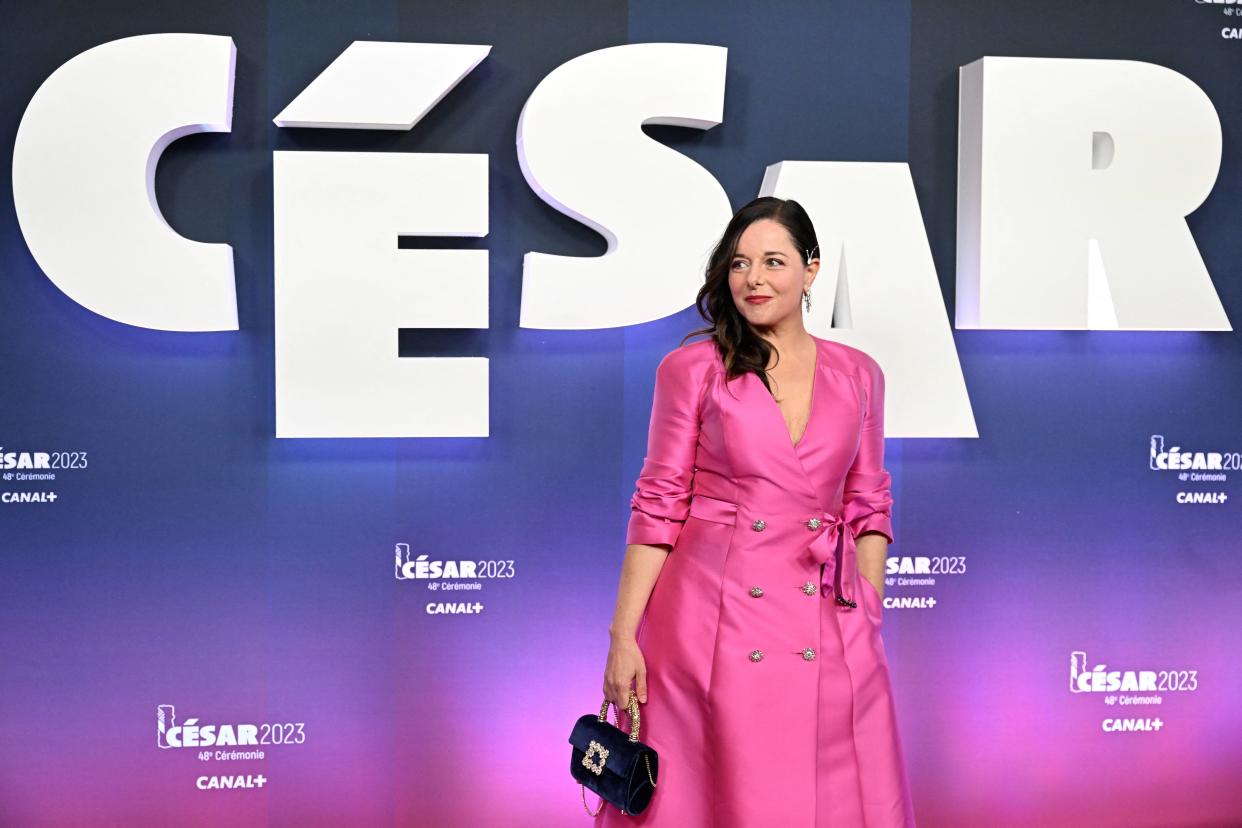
{"points": [[661, 500], [868, 497]]}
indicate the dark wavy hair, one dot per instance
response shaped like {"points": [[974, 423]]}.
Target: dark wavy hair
{"points": [[739, 344]]}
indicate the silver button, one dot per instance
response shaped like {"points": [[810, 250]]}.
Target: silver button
{"points": [[809, 587], [813, 524], [808, 654], [758, 526], [756, 655], [756, 592]]}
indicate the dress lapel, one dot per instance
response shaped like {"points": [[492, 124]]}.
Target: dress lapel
{"points": [[804, 451], [766, 426]]}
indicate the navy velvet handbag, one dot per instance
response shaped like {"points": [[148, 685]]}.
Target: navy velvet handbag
{"points": [[621, 769]]}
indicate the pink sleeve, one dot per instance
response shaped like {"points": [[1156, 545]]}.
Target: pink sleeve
{"points": [[661, 500], [868, 498]]}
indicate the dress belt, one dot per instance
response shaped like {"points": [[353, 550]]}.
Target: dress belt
{"points": [[828, 547]]}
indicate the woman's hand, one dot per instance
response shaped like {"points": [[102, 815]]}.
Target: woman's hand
{"points": [[626, 668]]}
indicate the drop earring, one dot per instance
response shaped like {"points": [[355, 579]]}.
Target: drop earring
{"points": [[806, 294]]}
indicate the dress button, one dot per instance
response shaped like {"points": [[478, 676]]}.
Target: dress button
{"points": [[756, 592], [808, 654], [758, 526], [809, 587], [756, 655], [813, 524]]}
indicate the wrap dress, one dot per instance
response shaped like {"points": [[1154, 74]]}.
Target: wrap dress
{"points": [[769, 697]]}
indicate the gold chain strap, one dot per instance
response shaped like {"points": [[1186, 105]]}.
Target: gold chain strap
{"points": [[602, 802], [634, 721]]}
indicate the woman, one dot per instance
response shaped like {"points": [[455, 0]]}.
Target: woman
{"points": [[749, 610]]}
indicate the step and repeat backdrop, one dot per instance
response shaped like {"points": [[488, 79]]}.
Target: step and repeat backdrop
{"points": [[329, 342]]}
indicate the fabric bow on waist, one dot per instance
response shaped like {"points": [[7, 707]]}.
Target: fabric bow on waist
{"points": [[828, 548]]}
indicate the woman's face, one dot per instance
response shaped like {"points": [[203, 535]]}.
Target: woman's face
{"points": [[768, 274]]}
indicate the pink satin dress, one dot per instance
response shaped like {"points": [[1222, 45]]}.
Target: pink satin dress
{"points": [[769, 698]]}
